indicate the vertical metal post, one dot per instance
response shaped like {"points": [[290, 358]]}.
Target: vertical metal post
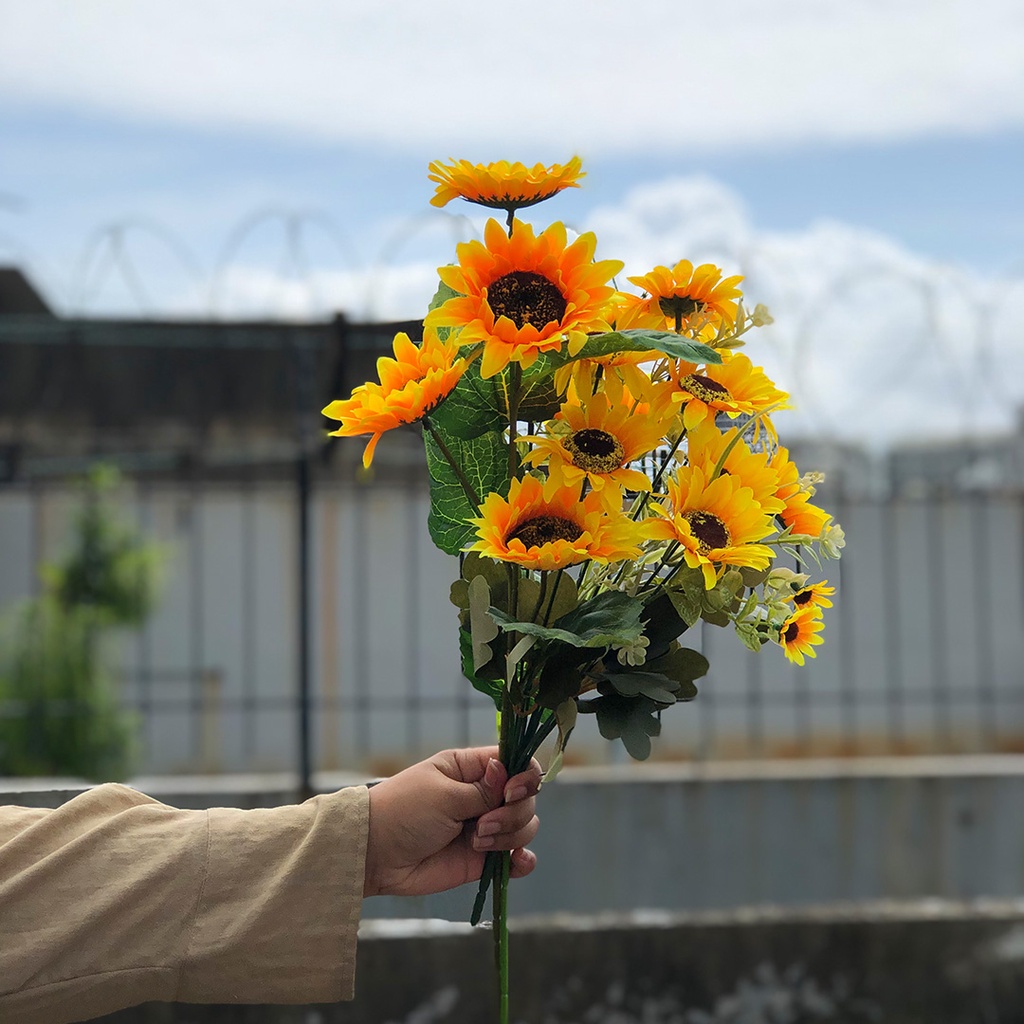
{"points": [[980, 510], [848, 693], [935, 567], [304, 494], [891, 623], [197, 612], [248, 707], [305, 395]]}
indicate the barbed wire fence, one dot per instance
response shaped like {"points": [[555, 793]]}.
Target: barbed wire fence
{"points": [[960, 332]]}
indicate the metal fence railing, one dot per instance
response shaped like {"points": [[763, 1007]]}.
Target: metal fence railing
{"points": [[304, 619], [924, 648]]}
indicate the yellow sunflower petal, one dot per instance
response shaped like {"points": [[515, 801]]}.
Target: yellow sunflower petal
{"points": [[411, 384], [501, 185], [524, 294], [543, 529]]}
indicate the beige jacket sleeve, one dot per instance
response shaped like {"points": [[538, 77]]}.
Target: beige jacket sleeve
{"points": [[115, 899]]}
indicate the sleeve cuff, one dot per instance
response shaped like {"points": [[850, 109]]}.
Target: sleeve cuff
{"points": [[278, 913]]}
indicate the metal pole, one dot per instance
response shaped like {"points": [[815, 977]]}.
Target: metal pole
{"points": [[304, 494], [305, 391]]}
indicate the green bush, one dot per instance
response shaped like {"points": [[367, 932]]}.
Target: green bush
{"points": [[59, 711]]}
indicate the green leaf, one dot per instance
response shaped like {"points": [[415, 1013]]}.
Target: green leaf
{"points": [[716, 618], [687, 594], [630, 719], [754, 577], [539, 400], [565, 716], [654, 685], [441, 296], [717, 598], [732, 581], [562, 675], [682, 665], [666, 342], [662, 624], [482, 628], [609, 618], [491, 687], [556, 602], [517, 654], [687, 607], [458, 594], [749, 636], [473, 407], [555, 766], [496, 573], [484, 461]]}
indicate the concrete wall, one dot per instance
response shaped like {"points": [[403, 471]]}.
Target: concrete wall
{"points": [[727, 893], [897, 963], [725, 835]]}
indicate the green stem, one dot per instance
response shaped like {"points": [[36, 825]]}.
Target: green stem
{"points": [[652, 580], [656, 482], [500, 926], [450, 459], [499, 918], [514, 387], [537, 737], [540, 597], [554, 595], [526, 748]]}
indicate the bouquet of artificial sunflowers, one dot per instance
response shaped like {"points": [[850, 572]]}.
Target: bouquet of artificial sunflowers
{"points": [[606, 467]]}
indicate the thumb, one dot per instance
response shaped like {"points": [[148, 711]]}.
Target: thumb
{"points": [[480, 789]]}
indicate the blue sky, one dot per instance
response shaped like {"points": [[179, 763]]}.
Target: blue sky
{"points": [[65, 173], [804, 135]]}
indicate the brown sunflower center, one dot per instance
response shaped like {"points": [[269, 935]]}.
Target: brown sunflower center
{"points": [[704, 388], [681, 306], [803, 597], [544, 529], [595, 450], [709, 530], [526, 298], [791, 632]]}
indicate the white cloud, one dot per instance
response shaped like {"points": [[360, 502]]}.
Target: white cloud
{"points": [[874, 342], [596, 76]]}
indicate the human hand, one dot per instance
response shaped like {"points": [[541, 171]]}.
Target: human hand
{"points": [[432, 824]]}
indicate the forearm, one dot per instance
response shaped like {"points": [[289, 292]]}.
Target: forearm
{"points": [[116, 899]]}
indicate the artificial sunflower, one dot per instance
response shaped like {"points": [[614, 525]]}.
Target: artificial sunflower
{"points": [[710, 448], [502, 185], [815, 596], [717, 522], [523, 294], [620, 374], [411, 385], [687, 299], [798, 635], [602, 440], [735, 387], [552, 531], [799, 514]]}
